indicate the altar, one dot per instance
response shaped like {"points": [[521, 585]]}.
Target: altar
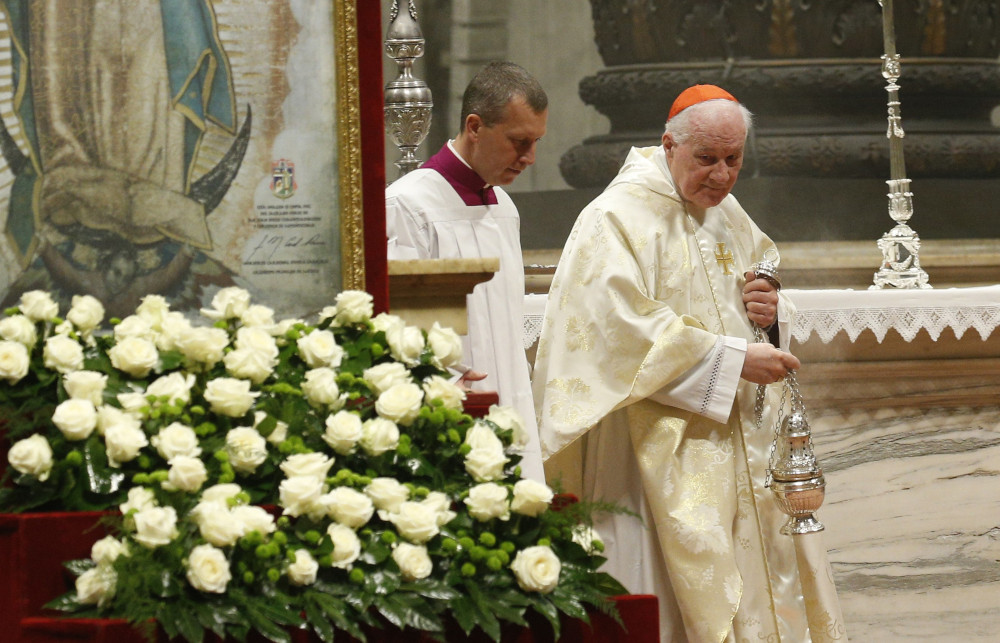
{"points": [[902, 390]]}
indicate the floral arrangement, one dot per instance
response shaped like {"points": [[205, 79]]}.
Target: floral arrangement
{"points": [[273, 475]]}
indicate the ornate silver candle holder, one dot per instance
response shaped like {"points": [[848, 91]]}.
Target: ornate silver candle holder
{"points": [[794, 475], [408, 101]]}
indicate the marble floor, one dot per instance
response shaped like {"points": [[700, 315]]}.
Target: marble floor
{"points": [[912, 515]]}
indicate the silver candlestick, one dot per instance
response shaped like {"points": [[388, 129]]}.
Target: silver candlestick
{"points": [[407, 98], [900, 246]]}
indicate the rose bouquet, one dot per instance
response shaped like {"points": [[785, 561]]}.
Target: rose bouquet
{"points": [[282, 474]]}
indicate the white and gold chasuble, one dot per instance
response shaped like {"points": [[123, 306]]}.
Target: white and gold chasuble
{"points": [[639, 298]]}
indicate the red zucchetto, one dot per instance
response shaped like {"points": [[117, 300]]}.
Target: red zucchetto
{"points": [[698, 94]]}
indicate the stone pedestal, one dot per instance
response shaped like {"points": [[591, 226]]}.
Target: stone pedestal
{"points": [[424, 291]]}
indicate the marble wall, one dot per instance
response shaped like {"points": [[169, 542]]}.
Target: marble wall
{"points": [[912, 509]]}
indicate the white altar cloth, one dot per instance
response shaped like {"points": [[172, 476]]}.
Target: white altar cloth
{"points": [[828, 312]]}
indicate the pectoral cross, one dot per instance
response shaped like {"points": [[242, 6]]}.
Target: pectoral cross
{"points": [[723, 257]]}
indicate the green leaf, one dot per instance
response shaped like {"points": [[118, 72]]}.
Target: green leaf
{"points": [[319, 623], [545, 607], [101, 478], [568, 604], [432, 588]]}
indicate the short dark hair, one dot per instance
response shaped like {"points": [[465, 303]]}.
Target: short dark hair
{"points": [[497, 84]]}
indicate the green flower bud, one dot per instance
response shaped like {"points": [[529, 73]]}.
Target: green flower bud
{"points": [[273, 575], [597, 545], [502, 555], [280, 537], [404, 450], [144, 461], [544, 542], [487, 539], [141, 478], [377, 350], [454, 436], [421, 492], [197, 409], [464, 449], [468, 569], [449, 545], [262, 551], [283, 522], [477, 553], [493, 562], [312, 536], [326, 560], [357, 576], [508, 546], [221, 455], [248, 577], [388, 537], [466, 542], [74, 458], [442, 437]]}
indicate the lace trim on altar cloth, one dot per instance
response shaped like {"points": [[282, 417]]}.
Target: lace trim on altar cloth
{"points": [[828, 312]]}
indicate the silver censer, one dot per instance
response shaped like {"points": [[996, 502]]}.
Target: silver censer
{"points": [[794, 474]]}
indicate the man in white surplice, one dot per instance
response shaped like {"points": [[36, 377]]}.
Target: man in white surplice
{"points": [[452, 207], [647, 349]]}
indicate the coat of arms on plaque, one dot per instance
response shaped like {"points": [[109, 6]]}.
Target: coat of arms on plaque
{"points": [[283, 178]]}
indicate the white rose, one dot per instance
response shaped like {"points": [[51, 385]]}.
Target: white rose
{"points": [[343, 430], [384, 376], [415, 521], [258, 316], [379, 435], [247, 449], [256, 339], [174, 327], [133, 326], [217, 525], [481, 436], [134, 355], [508, 419], [123, 441], [385, 322], [353, 306], [108, 416], [446, 346], [186, 474], [346, 545], [413, 560], [139, 498], [229, 396], [277, 434], [440, 504], [76, 419], [208, 569], [348, 506], [254, 518], [106, 550], [320, 387], [387, 493], [63, 354], [250, 364], [228, 303], [96, 586], [221, 493], [176, 440], [154, 309], [588, 538], [32, 456], [38, 305], [300, 495], [406, 343], [14, 361], [203, 345], [530, 497], [488, 500], [319, 348], [536, 569], [438, 388], [307, 464], [134, 403], [20, 329], [303, 571], [485, 464], [401, 403], [175, 387], [85, 385], [155, 526], [86, 312]]}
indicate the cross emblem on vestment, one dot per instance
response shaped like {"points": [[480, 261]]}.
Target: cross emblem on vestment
{"points": [[723, 257]]}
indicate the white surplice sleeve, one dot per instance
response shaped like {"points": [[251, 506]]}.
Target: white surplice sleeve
{"points": [[709, 387]]}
